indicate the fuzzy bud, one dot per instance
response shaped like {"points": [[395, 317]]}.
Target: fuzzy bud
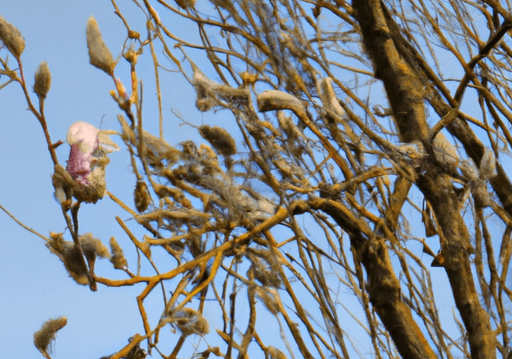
{"points": [[275, 353], [249, 78], [328, 97], [469, 170], [219, 138], [185, 4], [273, 100], [121, 90], [83, 139], [70, 256], [189, 321], [117, 259], [141, 196], [11, 38], [99, 54], [44, 336], [42, 80], [93, 247], [211, 93]]}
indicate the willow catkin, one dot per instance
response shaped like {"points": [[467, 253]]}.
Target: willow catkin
{"points": [[99, 54], [42, 80], [11, 38]]}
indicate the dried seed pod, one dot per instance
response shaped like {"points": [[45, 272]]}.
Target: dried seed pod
{"points": [[141, 196], [189, 148], [42, 80], [11, 38], [117, 259], [44, 336], [195, 246], [219, 138], [99, 54]]}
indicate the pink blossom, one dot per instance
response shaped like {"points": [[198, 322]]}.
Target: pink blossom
{"points": [[83, 139]]}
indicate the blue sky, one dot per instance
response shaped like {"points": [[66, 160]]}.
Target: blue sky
{"points": [[35, 284]]}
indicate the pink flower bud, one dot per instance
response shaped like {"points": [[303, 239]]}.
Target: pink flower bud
{"points": [[83, 139]]}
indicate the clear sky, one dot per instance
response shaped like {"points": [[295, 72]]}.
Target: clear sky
{"points": [[35, 285]]}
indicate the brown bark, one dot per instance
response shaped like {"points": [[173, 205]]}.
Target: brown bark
{"points": [[383, 286], [455, 235], [458, 127], [401, 84], [408, 109]]}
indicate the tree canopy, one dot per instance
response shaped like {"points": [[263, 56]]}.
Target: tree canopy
{"points": [[364, 153]]}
